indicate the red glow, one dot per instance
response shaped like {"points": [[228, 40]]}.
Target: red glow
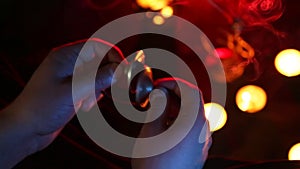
{"points": [[266, 5], [258, 12], [224, 53], [252, 12]]}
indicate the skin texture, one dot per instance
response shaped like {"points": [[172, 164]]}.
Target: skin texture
{"points": [[189, 153], [45, 106]]}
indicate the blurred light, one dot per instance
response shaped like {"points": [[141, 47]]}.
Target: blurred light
{"points": [[149, 14], [167, 12], [251, 99], [158, 4], [153, 4], [224, 53], [287, 62], [294, 153], [158, 20], [140, 56], [143, 3], [216, 115]]}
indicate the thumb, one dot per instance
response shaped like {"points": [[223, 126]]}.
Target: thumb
{"points": [[86, 81], [104, 79]]}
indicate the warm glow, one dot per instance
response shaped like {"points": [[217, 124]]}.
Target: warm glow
{"points": [[251, 99], [140, 56], [158, 4], [143, 3], [287, 62], [224, 53], [167, 12], [216, 115], [153, 4], [294, 153], [158, 20]]}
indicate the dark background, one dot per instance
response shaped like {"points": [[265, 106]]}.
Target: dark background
{"points": [[29, 29]]}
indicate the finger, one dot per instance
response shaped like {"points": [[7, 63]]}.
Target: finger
{"points": [[90, 102], [65, 58], [182, 88], [190, 146], [172, 85], [158, 98], [114, 55], [188, 91], [86, 83]]}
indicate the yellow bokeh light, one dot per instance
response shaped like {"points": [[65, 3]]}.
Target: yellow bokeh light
{"points": [[294, 153], [158, 20], [158, 4], [287, 62], [143, 3], [153, 4], [167, 12], [251, 99], [216, 115]]}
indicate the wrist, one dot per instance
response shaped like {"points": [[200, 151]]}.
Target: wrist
{"points": [[16, 138]]}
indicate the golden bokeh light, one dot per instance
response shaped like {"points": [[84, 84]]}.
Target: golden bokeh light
{"points": [[167, 12], [153, 4], [143, 3], [294, 153], [158, 4], [216, 115], [251, 98], [158, 20], [287, 62]]}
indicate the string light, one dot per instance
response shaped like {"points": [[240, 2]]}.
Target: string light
{"points": [[158, 20], [251, 99], [294, 153], [153, 4], [224, 53], [158, 4], [216, 115], [167, 12], [143, 3], [287, 62]]}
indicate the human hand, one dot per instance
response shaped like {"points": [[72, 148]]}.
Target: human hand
{"points": [[192, 151], [45, 106]]}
